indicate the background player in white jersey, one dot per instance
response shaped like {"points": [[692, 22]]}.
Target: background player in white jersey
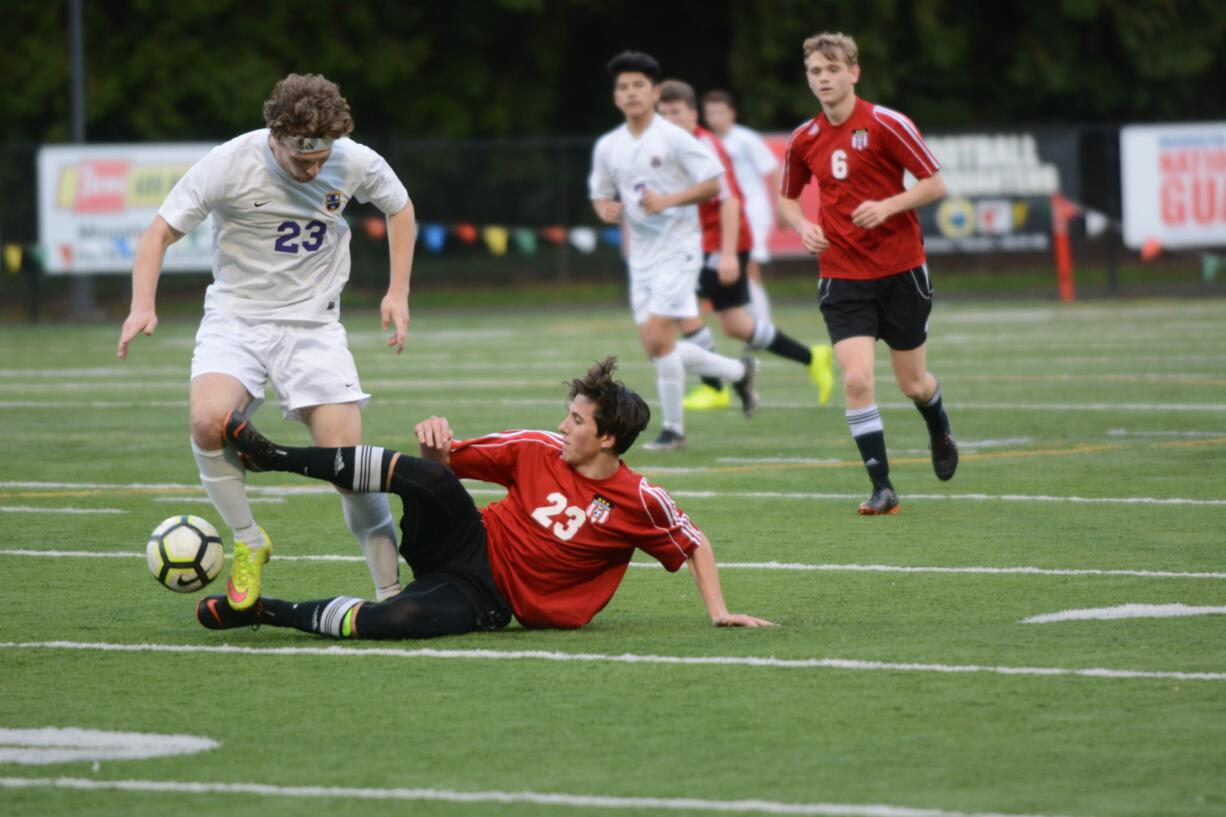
{"points": [[651, 174], [757, 169], [280, 261]]}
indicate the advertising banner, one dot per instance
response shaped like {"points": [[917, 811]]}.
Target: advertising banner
{"points": [[1000, 184], [95, 201], [1174, 184]]}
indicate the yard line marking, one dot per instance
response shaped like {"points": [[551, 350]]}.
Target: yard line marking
{"points": [[204, 500], [1125, 611], [624, 658], [786, 566], [292, 490], [1120, 432], [29, 509], [500, 797], [39, 747]]}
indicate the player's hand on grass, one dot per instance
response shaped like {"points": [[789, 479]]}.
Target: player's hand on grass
{"points": [[139, 320], [610, 211], [741, 620], [394, 311], [871, 214], [729, 268], [813, 238], [434, 438]]}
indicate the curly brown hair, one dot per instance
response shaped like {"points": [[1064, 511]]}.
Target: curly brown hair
{"points": [[619, 411], [308, 105]]}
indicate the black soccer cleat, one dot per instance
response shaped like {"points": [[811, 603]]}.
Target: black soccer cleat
{"points": [[944, 455], [883, 501], [256, 452], [668, 440], [744, 387], [215, 613]]}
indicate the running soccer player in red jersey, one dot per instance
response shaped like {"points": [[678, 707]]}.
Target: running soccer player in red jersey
{"points": [[551, 553], [874, 275]]}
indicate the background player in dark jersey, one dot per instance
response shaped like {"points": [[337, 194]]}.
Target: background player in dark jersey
{"points": [[874, 275], [551, 553], [726, 241]]}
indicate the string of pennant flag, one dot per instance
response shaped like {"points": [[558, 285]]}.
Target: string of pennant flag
{"points": [[500, 239]]}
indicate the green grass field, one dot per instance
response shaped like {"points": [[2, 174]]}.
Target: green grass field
{"points": [[900, 683]]}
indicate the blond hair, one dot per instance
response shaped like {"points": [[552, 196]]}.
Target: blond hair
{"points": [[833, 46]]}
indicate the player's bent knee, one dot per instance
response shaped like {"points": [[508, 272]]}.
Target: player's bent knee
{"points": [[206, 429], [857, 384]]}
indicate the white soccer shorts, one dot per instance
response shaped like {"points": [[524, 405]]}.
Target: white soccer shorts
{"points": [[666, 289], [308, 364]]}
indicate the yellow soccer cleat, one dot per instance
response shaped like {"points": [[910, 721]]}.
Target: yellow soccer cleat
{"points": [[243, 587], [821, 371], [705, 398]]}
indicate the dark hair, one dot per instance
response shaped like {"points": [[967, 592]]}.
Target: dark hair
{"points": [[308, 105], [634, 62], [719, 96], [619, 411], [674, 90]]}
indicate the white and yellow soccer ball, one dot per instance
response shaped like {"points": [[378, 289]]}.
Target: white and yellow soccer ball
{"points": [[185, 553]]}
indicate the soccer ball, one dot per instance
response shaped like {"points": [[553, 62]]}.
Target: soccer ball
{"points": [[184, 553]]}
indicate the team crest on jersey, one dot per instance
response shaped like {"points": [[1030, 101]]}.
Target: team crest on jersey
{"points": [[656, 161], [859, 138], [332, 201], [599, 509]]}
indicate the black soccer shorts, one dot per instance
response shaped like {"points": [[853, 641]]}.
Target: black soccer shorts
{"points": [[724, 297], [894, 308], [443, 536]]}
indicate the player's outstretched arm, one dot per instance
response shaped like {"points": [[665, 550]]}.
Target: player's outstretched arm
{"points": [[394, 311], [146, 267], [706, 576], [434, 438]]}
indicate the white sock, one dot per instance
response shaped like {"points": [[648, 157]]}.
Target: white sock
{"points": [[225, 481], [759, 302], [370, 520], [670, 380], [703, 339], [709, 364], [764, 333]]}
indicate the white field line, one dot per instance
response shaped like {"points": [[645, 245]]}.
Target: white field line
{"points": [[38, 747], [1121, 432], [204, 500], [1125, 611], [288, 490], [798, 567], [571, 801], [623, 658], [30, 509], [802, 405]]}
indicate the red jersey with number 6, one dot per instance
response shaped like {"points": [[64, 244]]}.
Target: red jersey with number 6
{"points": [[860, 159], [559, 543]]}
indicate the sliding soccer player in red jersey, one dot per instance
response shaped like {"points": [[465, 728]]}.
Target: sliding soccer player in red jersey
{"points": [[874, 275], [551, 553]]}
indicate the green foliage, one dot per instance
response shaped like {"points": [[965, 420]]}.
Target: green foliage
{"points": [[200, 69]]}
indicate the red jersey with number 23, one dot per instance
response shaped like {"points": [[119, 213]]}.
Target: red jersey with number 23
{"points": [[559, 543], [860, 159]]}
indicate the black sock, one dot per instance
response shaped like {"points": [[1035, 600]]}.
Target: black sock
{"points": [[790, 348], [326, 617], [713, 382], [934, 414], [872, 451], [336, 465]]}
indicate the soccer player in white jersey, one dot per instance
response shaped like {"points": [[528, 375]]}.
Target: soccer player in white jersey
{"points": [[280, 261], [651, 174], [757, 169]]}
